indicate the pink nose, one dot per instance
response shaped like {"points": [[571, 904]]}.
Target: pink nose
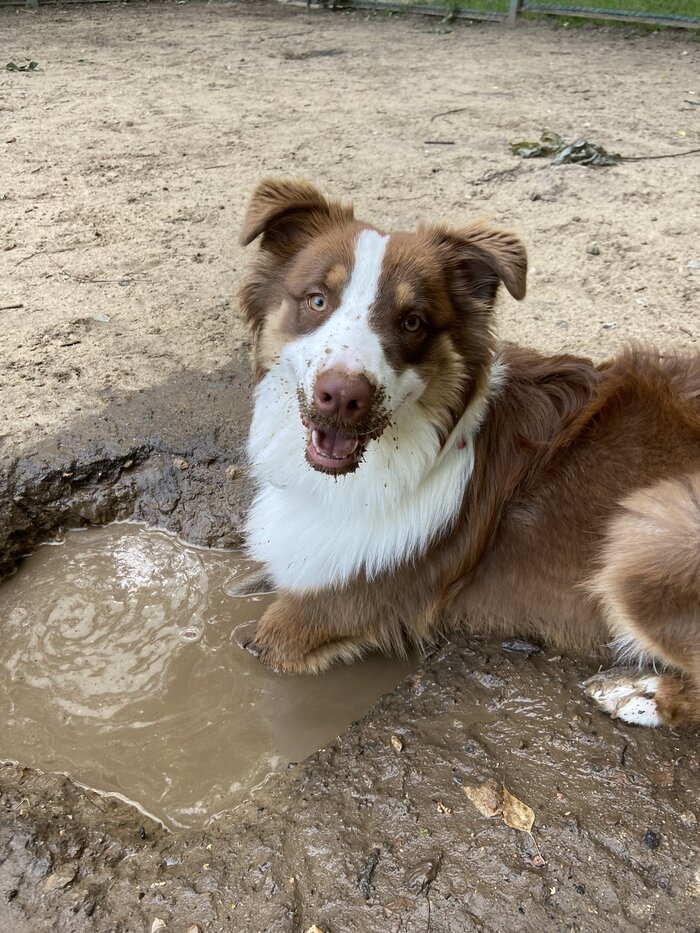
{"points": [[338, 394]]}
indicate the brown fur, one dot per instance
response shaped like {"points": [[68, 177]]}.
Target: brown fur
{"points": [[582, 518]]}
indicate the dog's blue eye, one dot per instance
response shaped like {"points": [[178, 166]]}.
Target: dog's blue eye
{"points": [[317, 302]]}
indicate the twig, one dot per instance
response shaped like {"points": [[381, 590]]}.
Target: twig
{"points": [[499, 173], [669, 155], [11, 307], [438, 142], [83, 280], [446, 113], [43, 252], [696, 103]]}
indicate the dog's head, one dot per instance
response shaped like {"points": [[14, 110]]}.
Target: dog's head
{"points": [[364, 323]]}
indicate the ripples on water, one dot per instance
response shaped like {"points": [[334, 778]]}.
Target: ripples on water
{"points": [[118, 664]]}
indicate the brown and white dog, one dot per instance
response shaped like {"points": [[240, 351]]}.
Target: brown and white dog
{"points": [[413, 475]]}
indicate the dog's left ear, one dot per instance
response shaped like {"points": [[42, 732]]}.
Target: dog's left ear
{"points": [[480, 257]]}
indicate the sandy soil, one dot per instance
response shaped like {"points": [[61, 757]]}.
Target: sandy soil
{"points": [[124, 382]]}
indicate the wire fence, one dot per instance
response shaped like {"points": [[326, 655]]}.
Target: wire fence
{"points": [[678, 13]]}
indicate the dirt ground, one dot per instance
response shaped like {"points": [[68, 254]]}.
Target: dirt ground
{"points": [[128, 156]]}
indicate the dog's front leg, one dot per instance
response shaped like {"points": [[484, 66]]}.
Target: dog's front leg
{"points": [[308, 634]]}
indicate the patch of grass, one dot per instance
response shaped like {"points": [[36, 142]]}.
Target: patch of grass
{"points": [[684, 8], [689, 8]]}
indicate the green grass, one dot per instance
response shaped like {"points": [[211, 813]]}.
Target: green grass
{"points": [[689, 8], [684, 8]]}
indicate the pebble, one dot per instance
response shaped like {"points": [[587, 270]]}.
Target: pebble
{"points": [[62, 877], [158, 924], [397, 742], [593, 249], [520, 646], [689, 819], [195, 928], [232, 471], [652, 839], [694, 265], [180, 463]]}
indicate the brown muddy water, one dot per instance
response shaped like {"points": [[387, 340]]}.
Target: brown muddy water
{"points": [[119, 665]]}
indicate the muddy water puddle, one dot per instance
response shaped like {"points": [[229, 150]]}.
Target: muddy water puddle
{"points": [[119, 665]]}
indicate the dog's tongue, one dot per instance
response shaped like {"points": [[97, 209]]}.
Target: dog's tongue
{"points": [[333, 443]]}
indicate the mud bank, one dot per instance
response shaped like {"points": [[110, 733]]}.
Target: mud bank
{"points": [[364, 836], [125, 392], [171, 456]]}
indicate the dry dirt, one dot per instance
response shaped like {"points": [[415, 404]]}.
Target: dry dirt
{"points": [[128, 156]]}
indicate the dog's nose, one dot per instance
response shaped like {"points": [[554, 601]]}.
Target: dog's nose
{"points": [[341, 395]]}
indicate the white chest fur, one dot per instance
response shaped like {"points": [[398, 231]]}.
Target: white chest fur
{"points": [[315, 531]]}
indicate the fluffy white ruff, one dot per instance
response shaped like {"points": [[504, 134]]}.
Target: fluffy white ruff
{"points": [[313, 530]]}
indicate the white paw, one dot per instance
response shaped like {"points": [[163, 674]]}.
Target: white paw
{"points": [[626, 696]]}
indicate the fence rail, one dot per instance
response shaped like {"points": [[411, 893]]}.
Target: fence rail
{"points": [[671, 13]]}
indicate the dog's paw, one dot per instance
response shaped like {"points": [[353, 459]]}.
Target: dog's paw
{"points": [[628, 696], [252, 638], [245, 638]]}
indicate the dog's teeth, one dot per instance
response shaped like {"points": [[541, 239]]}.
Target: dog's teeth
{"points": [[314, 439]]}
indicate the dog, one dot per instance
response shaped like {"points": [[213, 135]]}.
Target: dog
{"points": [[413, 475]]}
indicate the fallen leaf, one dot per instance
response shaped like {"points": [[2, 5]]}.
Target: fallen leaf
{"points": [[486, 797], [517, 814]]}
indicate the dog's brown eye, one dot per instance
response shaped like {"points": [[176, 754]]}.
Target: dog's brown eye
{"points": [[317, 302], [412, 324]]}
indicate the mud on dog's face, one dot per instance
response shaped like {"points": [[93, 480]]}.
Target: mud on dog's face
{"points": [[365, 323]]}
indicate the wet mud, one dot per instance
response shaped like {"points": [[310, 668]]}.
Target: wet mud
{"points": [[119, 665]]}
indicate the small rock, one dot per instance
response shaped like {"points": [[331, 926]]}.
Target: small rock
{"points": [[689, 819], [232, 471], [652, 839], [397, 742], [593, 249], [158, 924], [195, 928], [62, 877], [537, 861], [520, 646], [694, 265], [180, 463], [314, 929]]}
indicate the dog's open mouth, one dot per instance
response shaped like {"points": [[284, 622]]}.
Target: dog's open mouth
{"points": [[332, 449]]}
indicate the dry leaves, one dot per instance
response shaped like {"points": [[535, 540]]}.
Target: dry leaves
{"points": [[491, 798], [517, 814], [486, 797]]}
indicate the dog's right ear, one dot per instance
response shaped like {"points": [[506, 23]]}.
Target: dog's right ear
{"points": [[286, 212]]}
